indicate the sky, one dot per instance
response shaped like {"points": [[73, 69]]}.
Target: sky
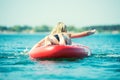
{"points": [[79, 13]]}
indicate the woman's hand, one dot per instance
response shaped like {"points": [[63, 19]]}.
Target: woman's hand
{"points": [[91, 32]]}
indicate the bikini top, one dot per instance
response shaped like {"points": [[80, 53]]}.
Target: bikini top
{"points": [[57, 37]]}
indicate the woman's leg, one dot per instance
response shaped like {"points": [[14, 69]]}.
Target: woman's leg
{"points": [[47, 41], [53, 40]]}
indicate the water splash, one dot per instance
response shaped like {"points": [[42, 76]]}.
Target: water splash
{"points": [[25, 51]]}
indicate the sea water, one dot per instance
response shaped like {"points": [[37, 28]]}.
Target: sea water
{"points": [[103, 64]]}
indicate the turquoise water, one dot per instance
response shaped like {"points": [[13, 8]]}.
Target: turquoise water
{"points": [[103, 64]]}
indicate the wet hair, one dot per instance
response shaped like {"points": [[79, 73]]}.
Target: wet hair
{"points": [[59, 28]]}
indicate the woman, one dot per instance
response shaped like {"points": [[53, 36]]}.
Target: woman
{"points": [[59, 36]]}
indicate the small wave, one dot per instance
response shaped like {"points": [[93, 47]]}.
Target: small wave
{"points": [[12, 57], [107, 55], [113, 55]]}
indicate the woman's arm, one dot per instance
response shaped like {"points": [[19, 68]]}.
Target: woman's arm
{"points": [[82, 34], [38, 44]]}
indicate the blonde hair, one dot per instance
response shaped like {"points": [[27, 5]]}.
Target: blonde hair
{"points": [[59, 28]]}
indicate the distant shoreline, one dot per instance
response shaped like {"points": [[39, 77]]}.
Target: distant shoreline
{"points": [[114, 32], [17, 29]]}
